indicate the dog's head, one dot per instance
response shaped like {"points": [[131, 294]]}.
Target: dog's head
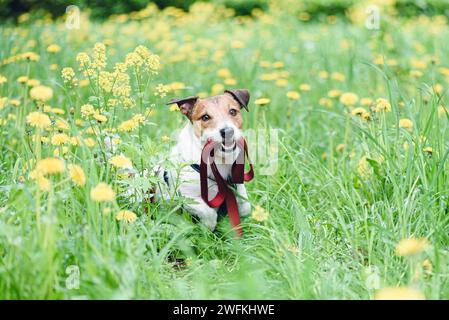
{"points": [[218, 118]]}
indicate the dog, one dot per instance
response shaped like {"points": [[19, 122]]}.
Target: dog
{"points": [[218, 118]]}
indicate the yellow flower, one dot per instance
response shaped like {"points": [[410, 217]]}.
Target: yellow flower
{"points": [[399, 293], [294, 95], [77, 175], [262, 101], [165, 138], [3, 79], [363, 168], [340, 148], [325, 102], [349, 99], [428, 150], [33, 83], [323, 74], [217, 88], [121, 162], [41, 93], [427, 265], [362, 113], [224, 73], [38, 119], [22, 79], [338, 76], [59, 139], [366, 101], [128, 125], [53, 48], [102, 192], [335, 93], [44, 183], [100, 118], [50, 166], [89, 142], [416, 73], [382, 104], [411, 246], [87, 110], [406, 124], [304, 87], [174, 107], [259, 214], [126, 215]]}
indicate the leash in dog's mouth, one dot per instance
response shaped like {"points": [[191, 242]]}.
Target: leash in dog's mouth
{"points": [[230, 148], [238, 176]]}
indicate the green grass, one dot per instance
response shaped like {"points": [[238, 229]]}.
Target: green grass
{"points": [[329, 223]]}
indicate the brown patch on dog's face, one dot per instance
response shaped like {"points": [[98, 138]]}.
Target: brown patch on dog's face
{"points": [[211, 113]]}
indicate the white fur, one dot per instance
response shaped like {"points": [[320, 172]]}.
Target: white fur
{"points": [[188, 151]]}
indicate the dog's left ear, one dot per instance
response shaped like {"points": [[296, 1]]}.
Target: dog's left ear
{"points": [[241, 95]]}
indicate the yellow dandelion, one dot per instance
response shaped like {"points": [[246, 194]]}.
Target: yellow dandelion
{"points": [[338, 76], [340, 148], [59, 139], [326, 102], [427, 266], [174, 107], [382, 105], [128, 125], [87, 109], [224, 73], [411, 246], [38, 119], [217, 88], [165, 138], [41, 93], [399, 293], [363, 168], [126, 215], [406, 124], [366, 101], [293, 95], [102, 192], [89, 142], [349, 98], [44, 184], [50, 166], [100, 118], [335, 93], [22, 79], [305, 87], [259, 214], [121, 162], [77, 175], [428, 150], [53, 48], [262, 101], [361, 112]]}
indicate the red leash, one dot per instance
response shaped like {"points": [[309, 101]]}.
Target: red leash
{"points": [[225, 193]]}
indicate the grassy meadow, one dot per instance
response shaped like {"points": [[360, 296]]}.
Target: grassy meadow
{"points": [[357, 207]]}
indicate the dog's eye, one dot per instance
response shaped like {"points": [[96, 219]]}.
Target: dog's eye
{"points": [[232, 112], [205, 117]]}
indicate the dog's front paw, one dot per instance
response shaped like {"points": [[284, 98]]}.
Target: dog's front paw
{"points": [[244, 208], [207, 215], [210, 221]]}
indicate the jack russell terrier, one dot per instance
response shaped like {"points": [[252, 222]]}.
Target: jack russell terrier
{"points": [[217, 119]]}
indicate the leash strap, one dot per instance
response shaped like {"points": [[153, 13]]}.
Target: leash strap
{"points": [[225, 193]]}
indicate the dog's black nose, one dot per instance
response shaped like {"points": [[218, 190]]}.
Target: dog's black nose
{"points": [[227, 132]]}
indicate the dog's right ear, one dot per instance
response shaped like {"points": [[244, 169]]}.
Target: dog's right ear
{"points": [[185, 105]]}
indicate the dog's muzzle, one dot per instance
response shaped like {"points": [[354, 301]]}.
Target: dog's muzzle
{"points": [[228, 142]]}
